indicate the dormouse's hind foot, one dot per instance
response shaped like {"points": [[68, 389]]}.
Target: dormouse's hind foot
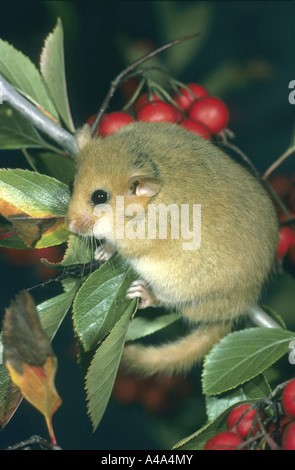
{"points": [[139, 289]]}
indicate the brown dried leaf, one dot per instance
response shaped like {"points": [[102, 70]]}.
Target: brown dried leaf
{"points": [[29, 357]]}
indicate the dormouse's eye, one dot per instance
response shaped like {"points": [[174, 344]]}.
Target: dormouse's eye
{"points": [[100, 196]]}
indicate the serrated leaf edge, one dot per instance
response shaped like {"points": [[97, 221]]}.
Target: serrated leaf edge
{"points": [[212, 351]]}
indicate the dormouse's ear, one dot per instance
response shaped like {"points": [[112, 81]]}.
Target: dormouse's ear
{"points": [[145, 186], [83, 136]]}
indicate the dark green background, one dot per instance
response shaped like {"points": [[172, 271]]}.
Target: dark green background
{"points": [[261, 117]]}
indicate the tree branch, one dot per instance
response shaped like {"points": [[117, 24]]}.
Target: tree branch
{"points": [[260, 318], [62, 137]]}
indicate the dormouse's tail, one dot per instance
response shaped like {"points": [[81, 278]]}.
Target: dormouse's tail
{"points": [[174, 357]]}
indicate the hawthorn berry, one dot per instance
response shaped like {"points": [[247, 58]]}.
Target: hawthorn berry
{"points": [[142, 100], [273, 429], [155, 398], [241, 423], [157, 111], [185, 99], [90, 119], [284, 218], [286, 241], [288, 437], [211, 112], [281, 184], [125, 390], [226, 440], [288, 399], [196, 127], [112, 122]]}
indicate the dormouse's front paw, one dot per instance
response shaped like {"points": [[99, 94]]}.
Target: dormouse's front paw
{"points": [[104, 252], [140, 289]]}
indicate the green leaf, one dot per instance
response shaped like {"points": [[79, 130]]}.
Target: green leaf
{"points": [[242, 355], [10, 396], [198, 439], [53, 311], [275, 316], [36, 206], [16, 132], [52, 164], [13, 242], [252, 390], [52, 67], [101, 300], [34, 194], [55, 236], [103, 369], [141, 326], [179, 20], [78, 251], [20, 72]]}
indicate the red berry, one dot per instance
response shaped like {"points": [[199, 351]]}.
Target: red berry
{"points": [[178, 115], [283, 217], [110, 123], [288, 399], [185, 99], [284, 420], [243, 425], [212, 112], [154, 398], [282, 184], [226, 440], [90, 119], [286, 241], [142, 100], [157, 111], [288, 438], [196, 127], [125, 390]]}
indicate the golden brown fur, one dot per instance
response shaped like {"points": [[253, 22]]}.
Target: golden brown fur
{"points": [[214, 284]]}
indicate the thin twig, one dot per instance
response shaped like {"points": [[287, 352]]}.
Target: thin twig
{"points": [[276, 197], [241, 154], [32, 441], [278, 162], [116, 82]]}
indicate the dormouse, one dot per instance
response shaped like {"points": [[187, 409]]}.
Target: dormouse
{"points": [[213, 277]]}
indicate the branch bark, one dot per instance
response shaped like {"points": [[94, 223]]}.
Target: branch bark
{"points": [[62, 137], [260, 318]]}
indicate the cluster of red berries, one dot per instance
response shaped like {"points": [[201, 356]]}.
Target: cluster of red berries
{"points": [[194, 109], [156, 394], [284, 186], [244, 430]]}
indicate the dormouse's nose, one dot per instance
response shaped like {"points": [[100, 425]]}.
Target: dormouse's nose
{"points": [[81, 223]]}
